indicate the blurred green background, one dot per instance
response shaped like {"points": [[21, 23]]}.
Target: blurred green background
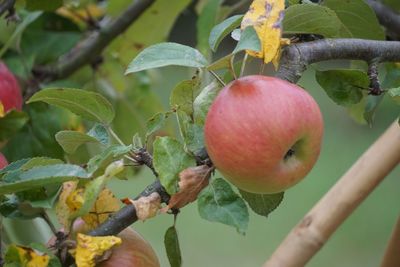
{"points": [[360, 241]]}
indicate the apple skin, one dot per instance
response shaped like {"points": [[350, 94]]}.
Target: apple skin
{"points": [[10, 92], [263, 134], [3, 161], [133, 252]]}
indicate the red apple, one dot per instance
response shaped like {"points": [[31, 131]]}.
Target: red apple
{"points": [[10, 92], [133, 252], [3, 161], [263, 134]]}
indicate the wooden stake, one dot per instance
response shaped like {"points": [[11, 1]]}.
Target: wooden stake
{"points": [[329, 213], [392, 254]]}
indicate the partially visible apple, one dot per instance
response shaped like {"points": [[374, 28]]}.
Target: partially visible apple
{"points": [[10, 92], [263, 134], [3, 161], [133, 252]]}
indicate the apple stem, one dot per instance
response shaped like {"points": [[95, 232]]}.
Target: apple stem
{"points": [[232, 68], [246, 56], [217, 77], [308, 237], [262, 68]]}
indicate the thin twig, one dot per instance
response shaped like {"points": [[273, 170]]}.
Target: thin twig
{"points": [[232, 68], [304, 241], [46, 218], [115, 136], [217, 77], [242, 68]]}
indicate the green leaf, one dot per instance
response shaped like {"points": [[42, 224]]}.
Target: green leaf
{"points": [[343, 86], [192, 133], [40, 161], [219, 203], [182, 96], [394, 93], [358, 19], [92, 191], [45, 5], [392, 77], [94, 188], [13, 166], [155, 123], [89, 105], [49, 198], [169, 159], [71, 140], [100, 132], [171, 243], [223, 29], [110, 154], [11, 123], [36, 138], [15, 38], [135, 106], [160, 17], [309, 18], [205, 22], [137, 141], [221, 63], [167, 54], [204, 100], [262, 204], [35, 41], [11, 207], [40, 176], [371, 106], [248, 41]]}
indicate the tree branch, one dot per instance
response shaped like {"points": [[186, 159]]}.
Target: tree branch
{"points": [[6, 5], [392, 255], [127, 215], [304, 241], [93, 45], [296, 57], [387, 17]]}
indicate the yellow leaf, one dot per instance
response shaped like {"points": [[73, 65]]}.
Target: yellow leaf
{"points": [[91, 11], [89, 248], [75, 200], [266, 17], [2, 113], [63, 211], [105, 205], [29, 258]]}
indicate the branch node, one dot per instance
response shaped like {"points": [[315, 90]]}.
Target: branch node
{"points": [[374, 84]]}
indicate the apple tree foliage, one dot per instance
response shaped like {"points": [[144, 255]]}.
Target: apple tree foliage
{"points": [[96, 124]]}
